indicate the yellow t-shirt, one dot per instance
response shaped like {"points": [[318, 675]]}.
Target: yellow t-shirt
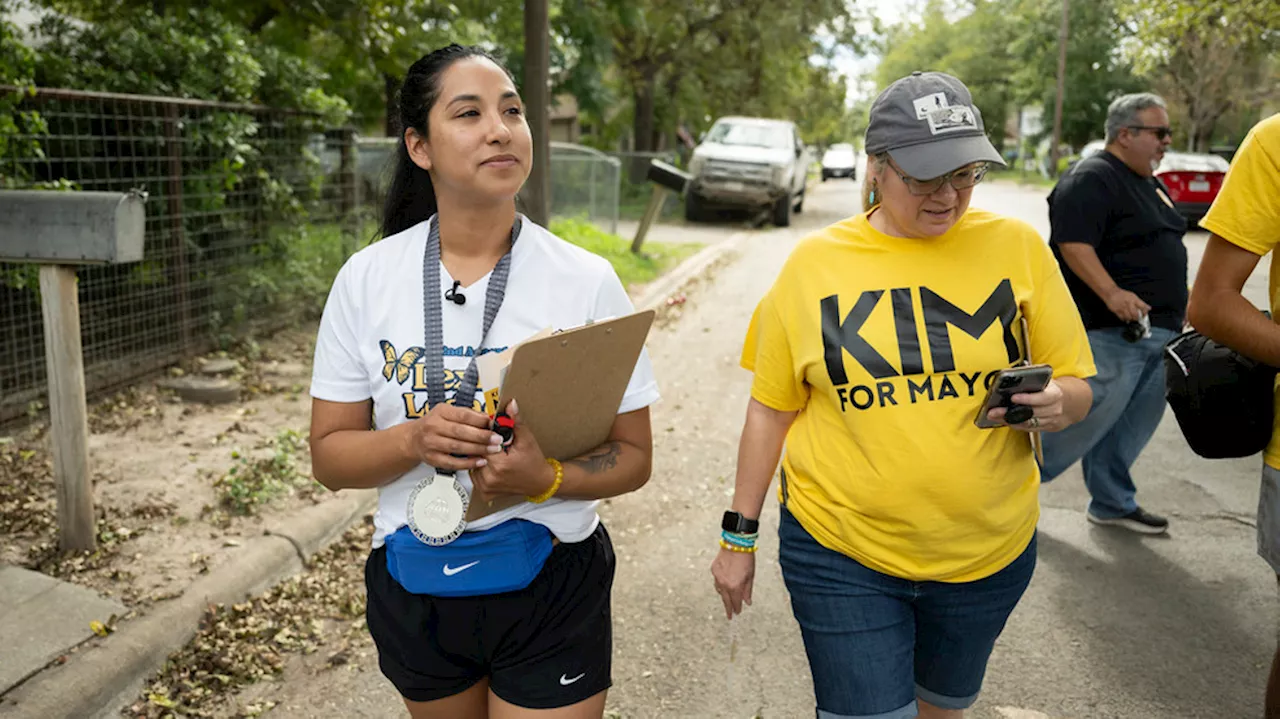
{"points": [[884, 345], [1246, 213]]}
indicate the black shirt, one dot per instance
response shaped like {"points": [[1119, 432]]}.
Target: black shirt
{"points": [[1130, 222]]}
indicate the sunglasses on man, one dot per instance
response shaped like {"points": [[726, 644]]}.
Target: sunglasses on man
{"points": [[1160, 131]]}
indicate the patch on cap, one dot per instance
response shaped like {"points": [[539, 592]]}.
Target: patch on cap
{"points": [[942, 116], [952, 119]]}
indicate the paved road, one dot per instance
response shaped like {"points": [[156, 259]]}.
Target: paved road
{"points": [[1113, 626]]}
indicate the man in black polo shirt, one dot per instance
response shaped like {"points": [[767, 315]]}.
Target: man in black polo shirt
{"points": [[1119, 240]]}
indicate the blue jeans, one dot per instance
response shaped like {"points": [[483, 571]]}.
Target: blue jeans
{"points": [[877, 642], [1128, 404]]}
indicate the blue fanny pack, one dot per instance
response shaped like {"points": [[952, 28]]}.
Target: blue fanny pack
{"points": [[499, 559]]}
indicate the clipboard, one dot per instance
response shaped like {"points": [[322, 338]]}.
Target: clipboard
{"points": [[569, 386], [1037, 442]]}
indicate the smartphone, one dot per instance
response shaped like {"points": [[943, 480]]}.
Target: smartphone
{"points": [[1007, 383]]}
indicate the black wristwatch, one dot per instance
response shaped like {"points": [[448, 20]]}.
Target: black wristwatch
{"points": [[738, 524]]}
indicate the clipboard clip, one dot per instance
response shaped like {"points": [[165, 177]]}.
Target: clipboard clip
{"points": [[588, 323], [1037, 442]]}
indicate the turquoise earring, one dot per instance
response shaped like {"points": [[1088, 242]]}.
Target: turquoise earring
{"points": [[871, 199]]}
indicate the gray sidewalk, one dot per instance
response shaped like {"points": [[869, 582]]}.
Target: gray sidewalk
{"points": [[43, 618]]}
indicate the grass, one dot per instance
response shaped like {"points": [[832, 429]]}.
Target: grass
{"points": [[635, 209], [633, 201], [632, 268]]}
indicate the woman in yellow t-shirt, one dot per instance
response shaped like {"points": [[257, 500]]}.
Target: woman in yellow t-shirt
{"points": [[907, 534]]}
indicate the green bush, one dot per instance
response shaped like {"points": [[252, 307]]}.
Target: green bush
{"points": [[17, 67], [252, 483], [288, 279]]}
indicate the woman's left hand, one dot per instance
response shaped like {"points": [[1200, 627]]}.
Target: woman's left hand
{"points": [[1048, 406], [521, 470]]}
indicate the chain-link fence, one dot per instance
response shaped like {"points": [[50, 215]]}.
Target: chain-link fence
{"points": [[585, 183], [251, 212], [636, 190]]}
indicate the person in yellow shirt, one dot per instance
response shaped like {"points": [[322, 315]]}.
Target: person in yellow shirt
{"points": [[1245, 224], [907, 533]]}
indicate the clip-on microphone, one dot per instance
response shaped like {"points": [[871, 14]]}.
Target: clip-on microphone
{"points": [[453, 295]]}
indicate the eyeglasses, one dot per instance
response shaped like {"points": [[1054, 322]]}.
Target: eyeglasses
{"points": [[961, 179], [1160, 131]]}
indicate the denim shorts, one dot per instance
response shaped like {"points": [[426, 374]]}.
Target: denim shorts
{"points": [[876, 643], [1269, 517]]}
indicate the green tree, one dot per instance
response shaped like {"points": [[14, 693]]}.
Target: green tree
{"points": [[1097, 72], [359, 48], [974, 48], [676, 62], [1006, 52], [1210, 58]]}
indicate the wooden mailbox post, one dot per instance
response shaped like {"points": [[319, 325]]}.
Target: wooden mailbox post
{"points": [[61, 230], [665, 178]]}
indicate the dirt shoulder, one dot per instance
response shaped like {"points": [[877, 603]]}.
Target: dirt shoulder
{"points": [[176, 484]]}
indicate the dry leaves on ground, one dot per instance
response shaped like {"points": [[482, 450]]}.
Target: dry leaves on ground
{"points": [[246, 643], [28, 519]]}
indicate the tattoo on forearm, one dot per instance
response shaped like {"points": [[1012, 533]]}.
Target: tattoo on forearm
{"points": [[600, 459]]}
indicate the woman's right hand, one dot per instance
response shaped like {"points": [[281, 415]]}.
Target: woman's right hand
{"points": [[734, 574], [452, 438]]}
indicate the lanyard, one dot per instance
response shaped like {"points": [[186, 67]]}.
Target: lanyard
{"points": [[433, 318]]}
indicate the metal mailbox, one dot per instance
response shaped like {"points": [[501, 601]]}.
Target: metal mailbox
{"points": [[72, 228], [668, 176]]}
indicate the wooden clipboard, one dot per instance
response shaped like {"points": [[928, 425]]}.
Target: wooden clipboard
{"points": [[569, 386]]}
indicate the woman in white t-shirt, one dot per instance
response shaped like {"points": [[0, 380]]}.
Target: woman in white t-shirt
{"points": [[508, 613]]}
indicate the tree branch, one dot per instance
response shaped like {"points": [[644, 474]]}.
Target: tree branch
{"points": [[690, 32], [264, 16]]}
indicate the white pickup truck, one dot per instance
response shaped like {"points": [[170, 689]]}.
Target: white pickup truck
{"points": [[749, 163]]}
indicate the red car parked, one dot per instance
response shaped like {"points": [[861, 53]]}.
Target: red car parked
{"points": [[1193, 181]]}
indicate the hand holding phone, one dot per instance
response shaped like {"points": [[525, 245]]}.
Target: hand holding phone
{"points": [[1007, 383]]}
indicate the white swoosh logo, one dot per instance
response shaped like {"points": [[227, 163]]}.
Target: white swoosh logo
{"points": [[450, 571], [564, 681]]}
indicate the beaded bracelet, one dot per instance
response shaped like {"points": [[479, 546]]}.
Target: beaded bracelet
{"points": [[559, 468], [736, 548], [741, 540]]}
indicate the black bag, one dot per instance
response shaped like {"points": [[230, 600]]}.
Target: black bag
{"points": [[1224, 401]]}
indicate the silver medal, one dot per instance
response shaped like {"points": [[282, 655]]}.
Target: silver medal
{"points": [[438, 510]]}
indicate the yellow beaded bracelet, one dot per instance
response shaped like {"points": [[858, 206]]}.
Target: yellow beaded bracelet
{"points": [[555, 486], [736, 548]]}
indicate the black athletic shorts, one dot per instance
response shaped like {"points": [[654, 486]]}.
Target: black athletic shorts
{"points": [[545, 646]]}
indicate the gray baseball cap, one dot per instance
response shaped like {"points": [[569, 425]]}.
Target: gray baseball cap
{"points": [[928, 124]]}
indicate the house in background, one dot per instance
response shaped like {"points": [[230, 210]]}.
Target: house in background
{"points": [[564, 119]]}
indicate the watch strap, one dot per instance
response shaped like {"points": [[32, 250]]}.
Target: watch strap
{"points": [[738, 524]]}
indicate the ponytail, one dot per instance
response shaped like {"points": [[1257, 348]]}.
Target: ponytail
{"points": [[411, 198]]}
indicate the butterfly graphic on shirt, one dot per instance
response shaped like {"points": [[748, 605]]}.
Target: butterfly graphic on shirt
{"points": [[399, 365]]}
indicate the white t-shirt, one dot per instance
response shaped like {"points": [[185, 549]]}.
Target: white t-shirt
{"points": [[374, 316]]}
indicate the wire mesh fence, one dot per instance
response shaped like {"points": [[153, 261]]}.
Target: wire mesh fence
{"points": [[585, 183], [251, 210], [635, 191]]}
